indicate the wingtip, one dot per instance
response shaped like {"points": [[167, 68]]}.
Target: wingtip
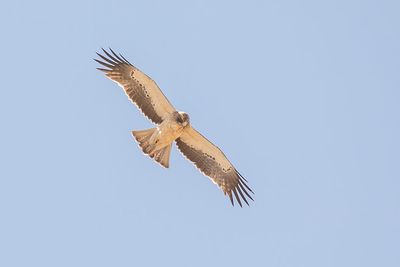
{"points": [[126, 61], [103, 70], [231, 198], [241, 194], [243, 182], [237, 197]]}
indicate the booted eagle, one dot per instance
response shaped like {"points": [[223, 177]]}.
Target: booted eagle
{"points": [[172, 125]]}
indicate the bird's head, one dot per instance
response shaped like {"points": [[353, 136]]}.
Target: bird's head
{"points": [[183, 119]]}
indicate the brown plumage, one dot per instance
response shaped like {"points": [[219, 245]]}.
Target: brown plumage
{"points": [[172, 126]]}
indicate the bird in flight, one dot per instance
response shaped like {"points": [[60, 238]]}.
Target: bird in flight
{"points": [[172, 125]]}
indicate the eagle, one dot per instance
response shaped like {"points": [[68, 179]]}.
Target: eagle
{"points": [[172, 126]]}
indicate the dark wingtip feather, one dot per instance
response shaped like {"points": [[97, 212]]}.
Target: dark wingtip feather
{"points": [[110, 56], [237, 197], [241, 194], [243, 181], [240, 175], [106, 59], [126, 61], [244, 190], [120, 59], [230, 197], [104, 64], [103, 70]]}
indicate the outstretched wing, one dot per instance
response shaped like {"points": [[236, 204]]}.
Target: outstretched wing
{"points": [[139, 87], [212, 162]]}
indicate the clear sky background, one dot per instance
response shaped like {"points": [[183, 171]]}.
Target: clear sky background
{"points": [[303, 97]]}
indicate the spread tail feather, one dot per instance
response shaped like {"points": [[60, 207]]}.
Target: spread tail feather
{"points": [[162, 155], [159, 155]]}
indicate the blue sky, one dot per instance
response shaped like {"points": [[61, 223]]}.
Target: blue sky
{"points": [[303, 97]]}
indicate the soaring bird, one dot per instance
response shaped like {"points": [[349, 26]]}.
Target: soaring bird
{"points": [[172, 126]]}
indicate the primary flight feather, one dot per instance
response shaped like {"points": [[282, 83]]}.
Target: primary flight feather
{"points": [[172, 125]]}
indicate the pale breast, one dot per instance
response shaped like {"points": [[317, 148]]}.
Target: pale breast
{"points": [[167, 132]]}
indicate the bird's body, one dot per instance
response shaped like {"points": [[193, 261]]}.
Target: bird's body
{"points": [[172, 126], [155, 140], [168, 131]]}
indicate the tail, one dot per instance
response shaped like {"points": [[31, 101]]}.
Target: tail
{"points": [[144, 140]]}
